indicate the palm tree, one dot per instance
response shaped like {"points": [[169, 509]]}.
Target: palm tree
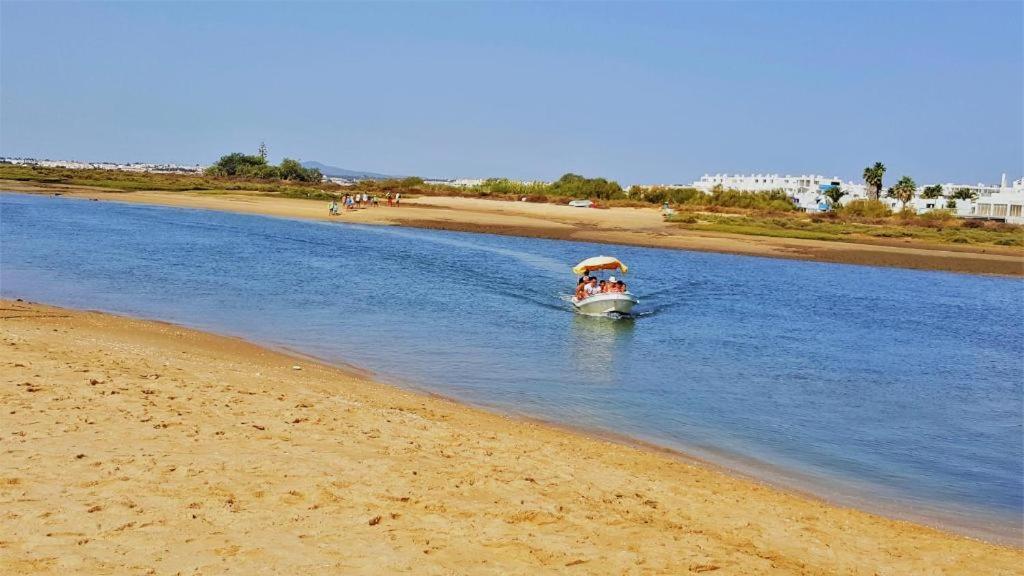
{"points": [[904, 190], [964, 194], [934, 191], [834, 194], [873, 178]]}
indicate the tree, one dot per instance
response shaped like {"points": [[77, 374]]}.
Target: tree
{"points": [[873, 178], [834, 194], [292, 170], [904, 190], [964, 194], [263, 151], [236, 164], [933, 191], [581, 187]]}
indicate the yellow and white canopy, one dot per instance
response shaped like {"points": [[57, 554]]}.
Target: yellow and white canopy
{"points": [[599, 263]]}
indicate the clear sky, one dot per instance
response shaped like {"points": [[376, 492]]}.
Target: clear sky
{"points": [[642, 93]]}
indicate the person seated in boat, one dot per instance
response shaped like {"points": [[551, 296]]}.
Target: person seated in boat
{"points": [[620, 286], [592, 287], [610, 286], [581, 289]]}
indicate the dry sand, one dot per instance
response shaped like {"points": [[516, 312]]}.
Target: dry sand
{"points": [[632, 226], [137, 447]]}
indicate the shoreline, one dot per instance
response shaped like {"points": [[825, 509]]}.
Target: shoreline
{"points": [[688, 513], [948, 518], [642, 227]]}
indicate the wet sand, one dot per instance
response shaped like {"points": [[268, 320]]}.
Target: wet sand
{"points": [[130, 446], [631, 226]]}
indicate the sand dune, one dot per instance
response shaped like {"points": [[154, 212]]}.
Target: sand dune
{"points": [[136, 447]]}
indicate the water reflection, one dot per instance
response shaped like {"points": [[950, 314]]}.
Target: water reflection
{"points": [[597, 343]]}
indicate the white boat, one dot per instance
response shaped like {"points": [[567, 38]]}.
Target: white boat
{"points": [[606, 302]]}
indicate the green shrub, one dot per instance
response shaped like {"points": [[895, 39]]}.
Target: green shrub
{"points": [[772, 200], [862, 208], [578, 186], [683, 218], [937, 216]]}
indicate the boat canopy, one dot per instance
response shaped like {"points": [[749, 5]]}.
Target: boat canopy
{"points": [[599, 263]]}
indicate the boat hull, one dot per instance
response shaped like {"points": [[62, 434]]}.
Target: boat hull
{"points": [[602, 304]]}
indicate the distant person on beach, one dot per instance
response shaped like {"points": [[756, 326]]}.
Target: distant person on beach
{"points": [[389, 199], [334, 207], [398, 199]]}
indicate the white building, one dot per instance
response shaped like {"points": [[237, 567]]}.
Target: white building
{"points": [[467, 182], [922, 205], [1008, 206], [999, 200], [129, 167], [978, 189], [791, 185]]}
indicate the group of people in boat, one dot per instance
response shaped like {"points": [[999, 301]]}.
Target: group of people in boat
{"points": [[589, 286]]}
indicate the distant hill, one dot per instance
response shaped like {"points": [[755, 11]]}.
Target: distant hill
{"points": [[343, 173]]}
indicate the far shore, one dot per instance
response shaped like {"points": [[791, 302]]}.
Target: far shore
{"points": [[141, 446], [628, 226]]}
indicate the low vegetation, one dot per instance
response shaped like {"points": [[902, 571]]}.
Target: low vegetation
{"points": [[257, 168], [772, 201], [763, 213], [125, 181], [858, 221]]}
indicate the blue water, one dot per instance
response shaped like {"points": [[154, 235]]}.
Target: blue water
{"points": [[898, 388]]}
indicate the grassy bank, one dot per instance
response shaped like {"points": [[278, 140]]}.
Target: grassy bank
{"points": [[569, 187], [118, 180], [723, 211], [937, 227]]}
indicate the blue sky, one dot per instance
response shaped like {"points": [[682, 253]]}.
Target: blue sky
{"points": [[642, 93]]}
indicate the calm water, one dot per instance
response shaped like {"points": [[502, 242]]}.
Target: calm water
{"points": [[898, 389]]}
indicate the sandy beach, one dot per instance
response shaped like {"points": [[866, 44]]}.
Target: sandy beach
{"points": [[130, 446], [630, 226]]}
